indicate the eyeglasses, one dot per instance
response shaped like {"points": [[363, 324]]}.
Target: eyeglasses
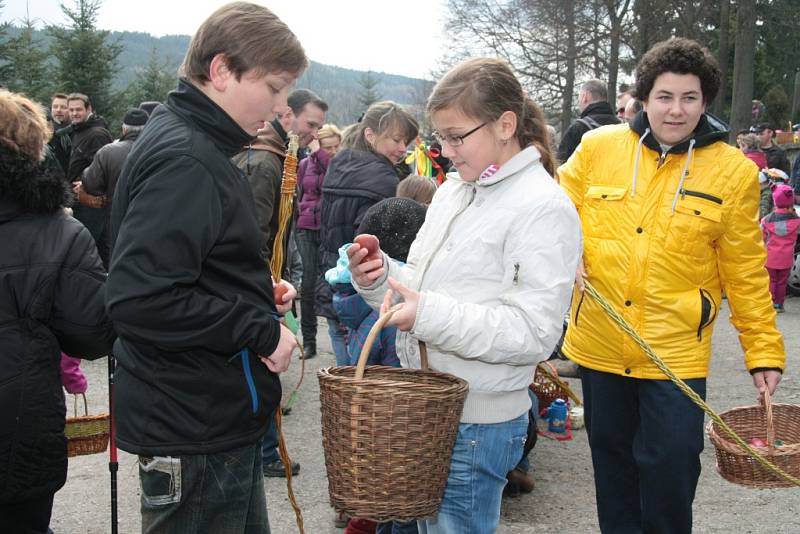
{"points": [[456, 140]]}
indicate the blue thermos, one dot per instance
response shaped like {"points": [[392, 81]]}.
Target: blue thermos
{"points": [[557, 416]]}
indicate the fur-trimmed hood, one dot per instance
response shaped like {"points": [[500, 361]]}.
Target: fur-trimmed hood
{"points": [[26, 187]]}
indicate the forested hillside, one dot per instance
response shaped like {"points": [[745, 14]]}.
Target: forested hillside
{"points": [[346, 90]]}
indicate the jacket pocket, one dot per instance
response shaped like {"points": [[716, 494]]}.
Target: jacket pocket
{"points": [[708, 312], [695, 226], [602, 209]]}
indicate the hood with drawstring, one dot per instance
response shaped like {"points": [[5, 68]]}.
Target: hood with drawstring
{"points": [[664, 233]]}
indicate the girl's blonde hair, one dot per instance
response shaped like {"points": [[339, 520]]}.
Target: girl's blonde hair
{"points": [[23, 125], [485, 88], [416, 188]]}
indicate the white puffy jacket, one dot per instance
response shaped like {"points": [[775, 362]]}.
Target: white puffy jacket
{"points": [[494, 263]]}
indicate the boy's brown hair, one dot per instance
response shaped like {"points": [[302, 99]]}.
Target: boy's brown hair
{"points": [[250, 37], [23, 126], [680, 56]]}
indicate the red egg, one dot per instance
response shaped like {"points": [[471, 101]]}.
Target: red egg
{"points": [[279, 291], [371, 243], [757, 442]]}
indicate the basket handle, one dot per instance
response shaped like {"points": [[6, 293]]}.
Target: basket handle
{"points": [[373, 333], [75, 404], [770, 425]]}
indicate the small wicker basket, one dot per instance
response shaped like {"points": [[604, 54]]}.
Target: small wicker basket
{"points": [[87, 434], [545, 389], [770, 421], [388, 436]]}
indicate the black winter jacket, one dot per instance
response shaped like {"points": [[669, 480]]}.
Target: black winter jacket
{"points": [[100, 178], [51, 300], [87, 138], [354, 182], [600, 112], [188, 288]]}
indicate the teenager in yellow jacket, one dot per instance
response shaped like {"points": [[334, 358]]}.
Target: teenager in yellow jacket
{"points": [[669, 215]]}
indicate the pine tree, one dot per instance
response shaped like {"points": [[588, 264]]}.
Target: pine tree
{"points": [[151, 83], [368, 95], [3, 48], [86, 62], [26, 70]]}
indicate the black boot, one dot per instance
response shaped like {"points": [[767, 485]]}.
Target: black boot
{"points": [[309, 350]]}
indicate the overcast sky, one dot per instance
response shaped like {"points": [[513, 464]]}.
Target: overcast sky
{"points": [[396, 37]]}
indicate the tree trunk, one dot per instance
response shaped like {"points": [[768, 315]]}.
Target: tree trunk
{"points": [[569, 81], [724, 29], [743, 60]]}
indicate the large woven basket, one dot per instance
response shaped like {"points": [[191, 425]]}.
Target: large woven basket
{"points": [[388, 435], [771, 421], [86, 434]]}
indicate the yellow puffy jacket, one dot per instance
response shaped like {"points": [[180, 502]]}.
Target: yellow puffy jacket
{"points": [[663, 235]]}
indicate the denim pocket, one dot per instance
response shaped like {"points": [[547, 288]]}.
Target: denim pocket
{"points": [[160, 478], [516, 442]]}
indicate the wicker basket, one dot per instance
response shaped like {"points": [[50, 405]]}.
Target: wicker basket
{"points": [[773, 421], [388, 436], [87, 434], [545, 389]]}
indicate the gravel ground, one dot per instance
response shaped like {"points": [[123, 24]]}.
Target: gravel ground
{"points": [[562, 501]]}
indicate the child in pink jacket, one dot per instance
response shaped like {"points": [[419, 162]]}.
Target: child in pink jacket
{"points": [[780, 230]]}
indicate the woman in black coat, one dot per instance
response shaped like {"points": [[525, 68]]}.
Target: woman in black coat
{"points": [[51, 300], [359, 176]]}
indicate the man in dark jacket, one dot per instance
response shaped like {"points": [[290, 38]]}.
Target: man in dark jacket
{"points": [[595, 112], [51, 300], [262, 163], [100, 178], [59, 120], [776, 156], [89, 133], [188, 290]]}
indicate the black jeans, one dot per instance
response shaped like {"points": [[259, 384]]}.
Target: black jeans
{"points": [[646, 437], [204, 493], [308, 246], [27, 517]]}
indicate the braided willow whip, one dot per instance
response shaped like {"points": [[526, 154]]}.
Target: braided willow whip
{"points": [[288, 188], [617, 318]]}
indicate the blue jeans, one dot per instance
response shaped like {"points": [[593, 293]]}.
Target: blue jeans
{"points": [[482, 456], [646, 437], [337, 331], [204, 493]]}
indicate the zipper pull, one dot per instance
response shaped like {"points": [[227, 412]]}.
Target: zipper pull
{"points": [[516, 274], [662, 158]]}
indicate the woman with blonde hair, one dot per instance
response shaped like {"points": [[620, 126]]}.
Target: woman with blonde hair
{"points": [[310, 174], [51, 299]]}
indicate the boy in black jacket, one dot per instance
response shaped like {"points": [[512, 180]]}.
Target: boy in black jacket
{"points": [[188, 290]]}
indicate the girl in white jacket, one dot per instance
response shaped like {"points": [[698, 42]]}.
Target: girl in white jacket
{"points": [[488, 278]]}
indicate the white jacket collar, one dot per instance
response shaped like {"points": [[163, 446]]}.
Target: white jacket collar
{"points": [[520, 161]]}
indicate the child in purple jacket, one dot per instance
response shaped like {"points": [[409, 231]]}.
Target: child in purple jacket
{"points": [[780, 230]]}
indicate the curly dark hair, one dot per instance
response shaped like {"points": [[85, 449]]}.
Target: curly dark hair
{"points": [[681, 56]]}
